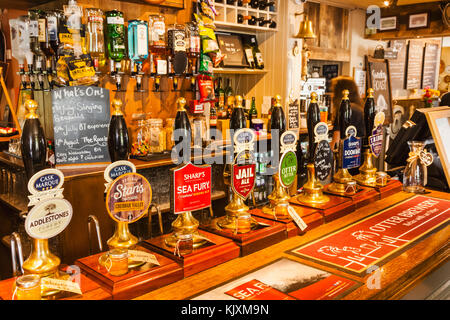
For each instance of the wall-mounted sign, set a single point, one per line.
(191, 188)
(128, 198)
(48, 218)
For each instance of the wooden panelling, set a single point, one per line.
(435, 29)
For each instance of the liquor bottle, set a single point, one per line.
(242, 2)
(95, 37)
(253, 113)
(115, 42)
(312, 119)
(230, 107)
(254, 4)
(277, 117)
(17, 37)
(137, 48)
(53, 23)
(231, 2)
(194, 47)
(182, 130)
(44, 43)
(238, 119)
(263, 4)
(73, 13)
(248, 50)
(369, 116)
(118, 140)
(33, 143)
(157, 35)
(39, 56)
(212, 116)
(177, 56)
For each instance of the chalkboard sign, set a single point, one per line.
(414, 64)
(397, 65)
(80, 123)
(293, 116)
(323, 160)
(430, 62)
(378, 79)
(231, 46)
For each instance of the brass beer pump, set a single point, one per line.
(367, 172)
(342, 179)
(41, 260)
(185, 223)
(312, 189)
(279, 198)
(237, 207)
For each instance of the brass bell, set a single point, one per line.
(306, 30)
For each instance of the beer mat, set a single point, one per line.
(376, 239)
(282, 279)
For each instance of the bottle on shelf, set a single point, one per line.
(137, 49)
(257, 55)
(182, 131)
(194, 48)
(158, 61)
(248, 50)
(264, 4)
(20, 47)
(33, 143)
(242, 18)
(238, 119)
(228, 89)
(95, 37)
(254, 4)
(35, 46)
(262, 23)
(45, 46)
(115, 43)
(231, 2)
(118, 140)
(253, 112)
(242, 2)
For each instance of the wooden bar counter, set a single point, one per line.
(398, 275)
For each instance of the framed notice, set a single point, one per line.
(388, 23)
(439, 123)
(378, 78)
(419, 20)
(414, 64)
(430, 64)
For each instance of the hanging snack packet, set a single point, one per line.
(206, 88)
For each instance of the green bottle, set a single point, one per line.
(115, 35)
(253, 113)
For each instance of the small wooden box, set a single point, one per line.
(363, 196)
(137, 281)
(212, 254)
(312, 217)
(255, 240)
(392, 187)
(90, 289)
(335, 208)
